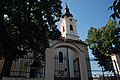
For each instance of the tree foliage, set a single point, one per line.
(26, 26)
(116, 9)
(103, 42)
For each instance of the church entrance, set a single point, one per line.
(37, 70)
(66, 65)
(76, 68)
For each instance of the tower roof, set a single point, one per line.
(67, 12)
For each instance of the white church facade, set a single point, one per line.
(69, 55)
(66, 59)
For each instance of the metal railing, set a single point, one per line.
(97, 72)
(26, 67)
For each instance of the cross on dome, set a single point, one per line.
(67, 12)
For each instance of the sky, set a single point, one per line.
(89, 13)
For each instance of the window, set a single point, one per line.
(63, 29)
(71, 27)
(60, 57)
(70, 19)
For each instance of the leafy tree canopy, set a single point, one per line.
(116, 9)
(103, 42)
(26, 26)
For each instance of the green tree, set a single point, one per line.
(103, 42)
(26, 26)
(116, 9)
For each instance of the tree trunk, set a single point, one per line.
(6, 67)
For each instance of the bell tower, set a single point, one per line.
(68, 25)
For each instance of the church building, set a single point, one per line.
(66, 59)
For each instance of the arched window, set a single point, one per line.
(63, 28)
(71, 27)
(60, 57)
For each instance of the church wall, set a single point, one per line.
(71, 63)
(62, 66)
(116, 63)
(81, 54)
